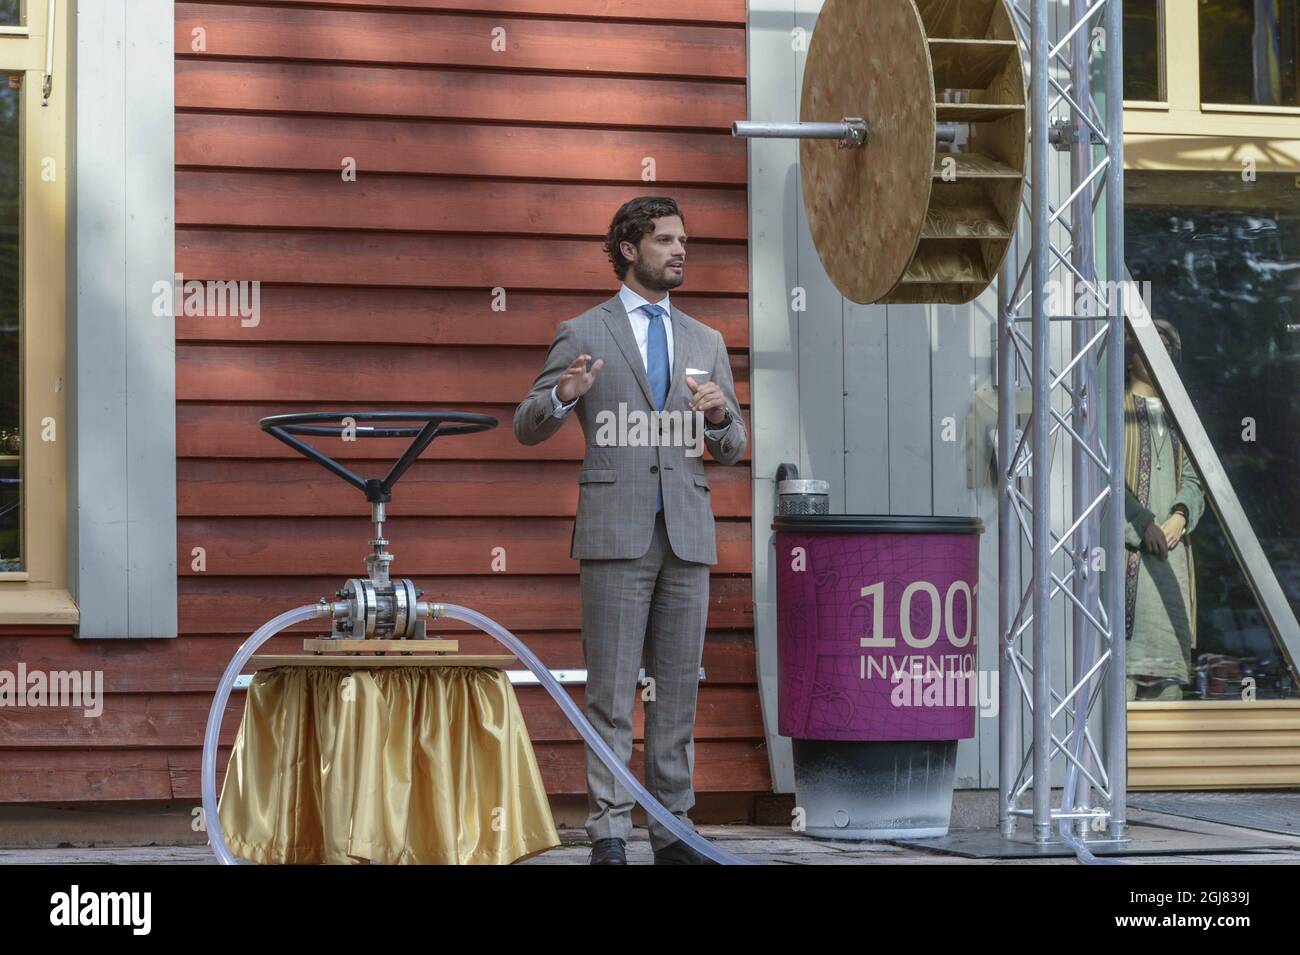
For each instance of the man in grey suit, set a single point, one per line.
(658, 388)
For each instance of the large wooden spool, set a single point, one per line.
(901, 218)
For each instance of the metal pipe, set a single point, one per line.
(755, 130)
(1040, 581)
(1116, 696)
(1083, 395)
(1009, 705)
(851, 132)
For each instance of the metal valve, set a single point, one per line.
(376, 607)
(369, 609)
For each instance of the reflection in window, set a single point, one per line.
(1164, 503)
(12, 13)
(1223, 260)
(11, 544)
(1249, 52)
(1144, 72)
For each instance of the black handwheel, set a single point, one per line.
(432, 424)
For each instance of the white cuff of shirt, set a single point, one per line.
(715, 429)
(560, 410)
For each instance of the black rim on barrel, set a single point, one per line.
(876, 524)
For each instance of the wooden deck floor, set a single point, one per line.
(762, 844)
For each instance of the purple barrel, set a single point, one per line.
(876, 655)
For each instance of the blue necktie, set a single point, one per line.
(657, 371)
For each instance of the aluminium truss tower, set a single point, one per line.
(1063, 587)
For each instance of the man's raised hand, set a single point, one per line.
(577, 379)
(708, 398)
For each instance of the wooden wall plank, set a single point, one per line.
(866, 409)
(215, 429)
(378, 201)
(278, 87)
(448, 39)
(434, 488)
(178, 720)
(371, 373)
(463, 261)
(195, 662)
(820, 334)
(910, 487)
(775, 203)
(696, 11)
(417, 316)
(253, 141)
(121, 521)
(106, 775)
(714, 11)
(517, 602)
(53, 776)
(256, 546)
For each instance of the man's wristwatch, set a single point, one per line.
(722, 425)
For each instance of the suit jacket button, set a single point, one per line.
(654, 469)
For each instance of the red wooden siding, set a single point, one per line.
(475, 170)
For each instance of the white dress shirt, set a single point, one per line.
(632, 303)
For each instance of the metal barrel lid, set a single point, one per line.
(876, 524)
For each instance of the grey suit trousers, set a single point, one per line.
(657, 604)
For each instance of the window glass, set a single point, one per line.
(1144, 72)
(12, 13)
(1223, 260)
(11, 436)
(1248, 52)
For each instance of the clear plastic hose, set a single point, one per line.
(208, 771)
(588, 733)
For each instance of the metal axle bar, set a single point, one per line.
(851, 132)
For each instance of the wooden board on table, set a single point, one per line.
(331, 645)
(365, 661)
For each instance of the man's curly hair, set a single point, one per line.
(635, 219)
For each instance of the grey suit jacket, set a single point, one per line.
(623, 466)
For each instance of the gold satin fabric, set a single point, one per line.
(429, 765)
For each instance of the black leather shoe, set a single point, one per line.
(607, 852)
(679, 853)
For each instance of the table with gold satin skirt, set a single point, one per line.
(426, 765)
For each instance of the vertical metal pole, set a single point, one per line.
(1008, 689)
(1083, 396)
(1041, 422)
(1116, 702)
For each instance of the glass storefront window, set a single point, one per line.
(11, 405)
(1249, 52)
(1144, 66)
(1223, 260)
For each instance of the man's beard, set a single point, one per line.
(662, 282)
